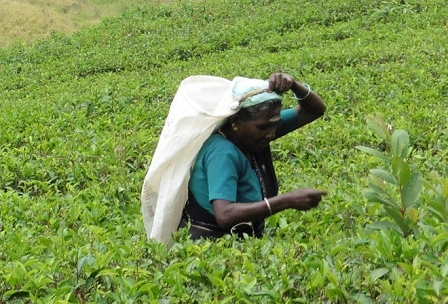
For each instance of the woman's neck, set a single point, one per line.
(228, 134)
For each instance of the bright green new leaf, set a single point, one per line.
(440, 241)
(361, 298)
(445, 189)
(444, 270)
(248, 283)
(175, 267)
(378, 273)
(108, 272)
(437, 286)
(413, 214)
(317, 280)
(335, 250)
(216, 281)
(400, 143)
(334, 293)
(411, 190)
(385, 176)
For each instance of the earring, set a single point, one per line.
(234, 128)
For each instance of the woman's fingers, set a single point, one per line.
(280, 82)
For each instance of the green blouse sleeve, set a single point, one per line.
(288, 122)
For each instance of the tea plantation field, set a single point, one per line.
(81, 114)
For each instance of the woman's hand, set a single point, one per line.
(311, 105)
(279, 82)
(304, 198)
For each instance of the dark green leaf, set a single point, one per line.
(385, 225)
(374, 197)
(85, 260)
(410, 192)
(400, 143)
(401, 170)
(374, 152)
(384, 175)
(15, 294)
(398, 217)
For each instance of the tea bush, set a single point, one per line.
(81, 115)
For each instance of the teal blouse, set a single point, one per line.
(222, 171)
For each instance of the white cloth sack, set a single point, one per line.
(200, 105)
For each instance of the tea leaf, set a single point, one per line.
(398, 216)
(374, 197)
(401, 170)
(444, 270)
(81, 116)
(217, 281)
(378, 273)
(85, 260)
(385, 176)
(378, 126)
(374, 152)
(385, 225)
(11, 295)
(411, 190)
(400, 143)
(412, 213)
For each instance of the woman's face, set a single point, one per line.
(255, 134)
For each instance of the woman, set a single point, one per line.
(233, 186)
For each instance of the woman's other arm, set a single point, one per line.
(229, 214)
(311, 106)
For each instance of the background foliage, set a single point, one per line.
(80, 117)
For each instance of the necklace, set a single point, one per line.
(220, 132)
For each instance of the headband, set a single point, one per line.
(251, 92)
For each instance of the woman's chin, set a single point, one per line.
(262, 146)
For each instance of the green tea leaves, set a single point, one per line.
(400, 143)
(399, 187)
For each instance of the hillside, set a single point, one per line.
(30, 20)
(81, 115)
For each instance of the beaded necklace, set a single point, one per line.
(260, 176)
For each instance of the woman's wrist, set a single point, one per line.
(301, 91)
(279, 203)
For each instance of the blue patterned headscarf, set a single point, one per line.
(251, 92)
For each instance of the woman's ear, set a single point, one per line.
(233, 123)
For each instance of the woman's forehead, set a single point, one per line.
(272, 116)
(275, 119)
